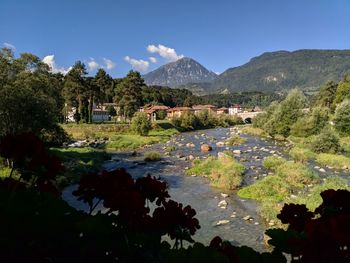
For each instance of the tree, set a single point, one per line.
(140, 123)
(343, 90)
(326, 142)
(75, 86)
(342, 117)
(326, 95)
(30, 95)
(128, 94)
(105, 84)
(312, 123)
(282, 116)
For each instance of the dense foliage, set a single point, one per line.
(140, 123)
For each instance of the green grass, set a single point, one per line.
(120, 138)
(78, 161)
(334, 160)
(170, 148)
(272, 188)
(236, 140)
(302, 155)
(253, 131)
(152, 156)
(273, 162)
(225, 173)
(345, 143)
(313, 199)
(296, 174)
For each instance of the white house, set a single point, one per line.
(235, 109)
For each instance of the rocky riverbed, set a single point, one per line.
(220, 213)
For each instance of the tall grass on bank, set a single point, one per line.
(333, 160)
(78, 161)
(225, 173)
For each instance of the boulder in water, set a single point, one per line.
(206, 148)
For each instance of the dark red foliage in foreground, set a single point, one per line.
(28, 155)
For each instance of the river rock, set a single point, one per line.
(222, 204)
(222, 155)
(190, 157)
(236, 152)
(222, 222)
(224, 195)
(206, 148)
(190, 145)
(220, 144)
(248, 217)
(322, 170)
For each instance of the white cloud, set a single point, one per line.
(165, 52)
(109, 63)
(50, 60)
(93, 65)
(153, 59)
(139, 65)
(8, 45)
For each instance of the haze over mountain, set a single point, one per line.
(271, 71)
(183, 71)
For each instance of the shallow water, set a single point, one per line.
(196, 191)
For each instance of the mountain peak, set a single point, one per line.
(181, 72)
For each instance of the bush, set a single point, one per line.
(273, 162)
(152, 157)
(301, 155)
(271, 188)
(224, 173)
(326, 142)
(236, 140)
(296, 174)
(141, 124)
(342, 117)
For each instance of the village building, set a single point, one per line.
(178, 112)
(153, 110)
(100, 115)
(235, 109)
(199, 108)
(222, 110)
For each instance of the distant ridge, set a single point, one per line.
(271, 71)
(181, 72)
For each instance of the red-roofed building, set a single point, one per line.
(177, 112)
(222, 110)
(235, 109)
(199, 108)
(152, 111)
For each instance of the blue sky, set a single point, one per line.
(124, 34)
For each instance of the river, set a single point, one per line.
(196, 191)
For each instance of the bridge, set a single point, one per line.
(247, 116)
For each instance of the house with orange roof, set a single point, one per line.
(178, 112)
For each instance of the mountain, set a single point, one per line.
(180, 72)
(306, 69)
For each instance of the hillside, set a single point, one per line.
(306, 69)
(180, 72)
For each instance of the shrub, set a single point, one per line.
(301, 155)
(271, 188)
(342, 117)
(170, 148)
(224, 173)
(236, 140)
(253, 131)
(152, 157)
(333, 160)
(273, 162)
(296, 174)
(326, 142)
(140, 123)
